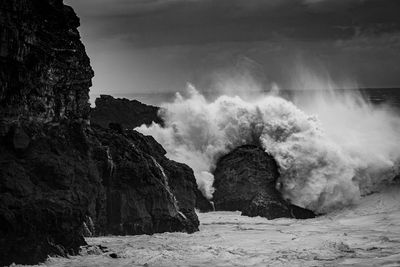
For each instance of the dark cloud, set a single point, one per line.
(174, 22)
(159, 45)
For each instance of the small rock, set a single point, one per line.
(113, 255)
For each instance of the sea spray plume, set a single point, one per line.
(317, 171)
(369, 134)
(198, 133)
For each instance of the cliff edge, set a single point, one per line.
(61, 179)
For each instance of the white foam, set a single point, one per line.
(330, 147)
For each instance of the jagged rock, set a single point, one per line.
(45, 73)
(44, 194)
(245, 180)
(56, 173)
(72, 176)
(46, 182)
(144, 192)
(184, 187)
(128, 113)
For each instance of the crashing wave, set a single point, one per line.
(331, 148)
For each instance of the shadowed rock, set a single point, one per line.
(144, 192)
(202, 203)
(128, 113)
(59, 178)
(245, 180)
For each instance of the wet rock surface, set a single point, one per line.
(245, 181)
(73, 181)
(127, 113)
(143, 192)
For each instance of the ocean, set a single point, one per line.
(337, 156)
(390, 96)
(366, 234)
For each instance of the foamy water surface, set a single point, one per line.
(366, 234)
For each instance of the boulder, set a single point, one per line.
(245, 180)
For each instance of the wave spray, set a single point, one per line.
(331, 147)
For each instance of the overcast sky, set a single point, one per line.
(160, 45)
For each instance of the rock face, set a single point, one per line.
(128, 113)
(45, 191)
(245, 180)
(120, 114)
(45, 72)
(143, 192)
(59, 177)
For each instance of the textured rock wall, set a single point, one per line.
(144, 192)
(45, 73)
(123, 114)
(46, 188)
(46, 177)
(60, 178)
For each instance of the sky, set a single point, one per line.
(152, 46)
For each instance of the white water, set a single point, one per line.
(367, 234)
(331, 148)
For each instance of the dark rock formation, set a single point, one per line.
(245, 180)
(59, 178)
(128, 113)
(45, 192)
(144, 192)
(45, 72)
(46, 182)
(120, 114)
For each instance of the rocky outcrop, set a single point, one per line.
(127, 113)
(45, 190)
(46, 182)
(71, 176)
(120, 114)
(45, 72)
(143, 192)
(245, 180)
(61, 179)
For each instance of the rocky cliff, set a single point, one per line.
(121, 114)
(128, 113)
(59, 177)
(245, 180)
(142, 191)
(45, 72)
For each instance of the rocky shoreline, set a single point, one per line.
(64, 175)
(61, 178)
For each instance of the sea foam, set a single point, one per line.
(331, 147)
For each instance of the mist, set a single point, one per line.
(331, 146)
